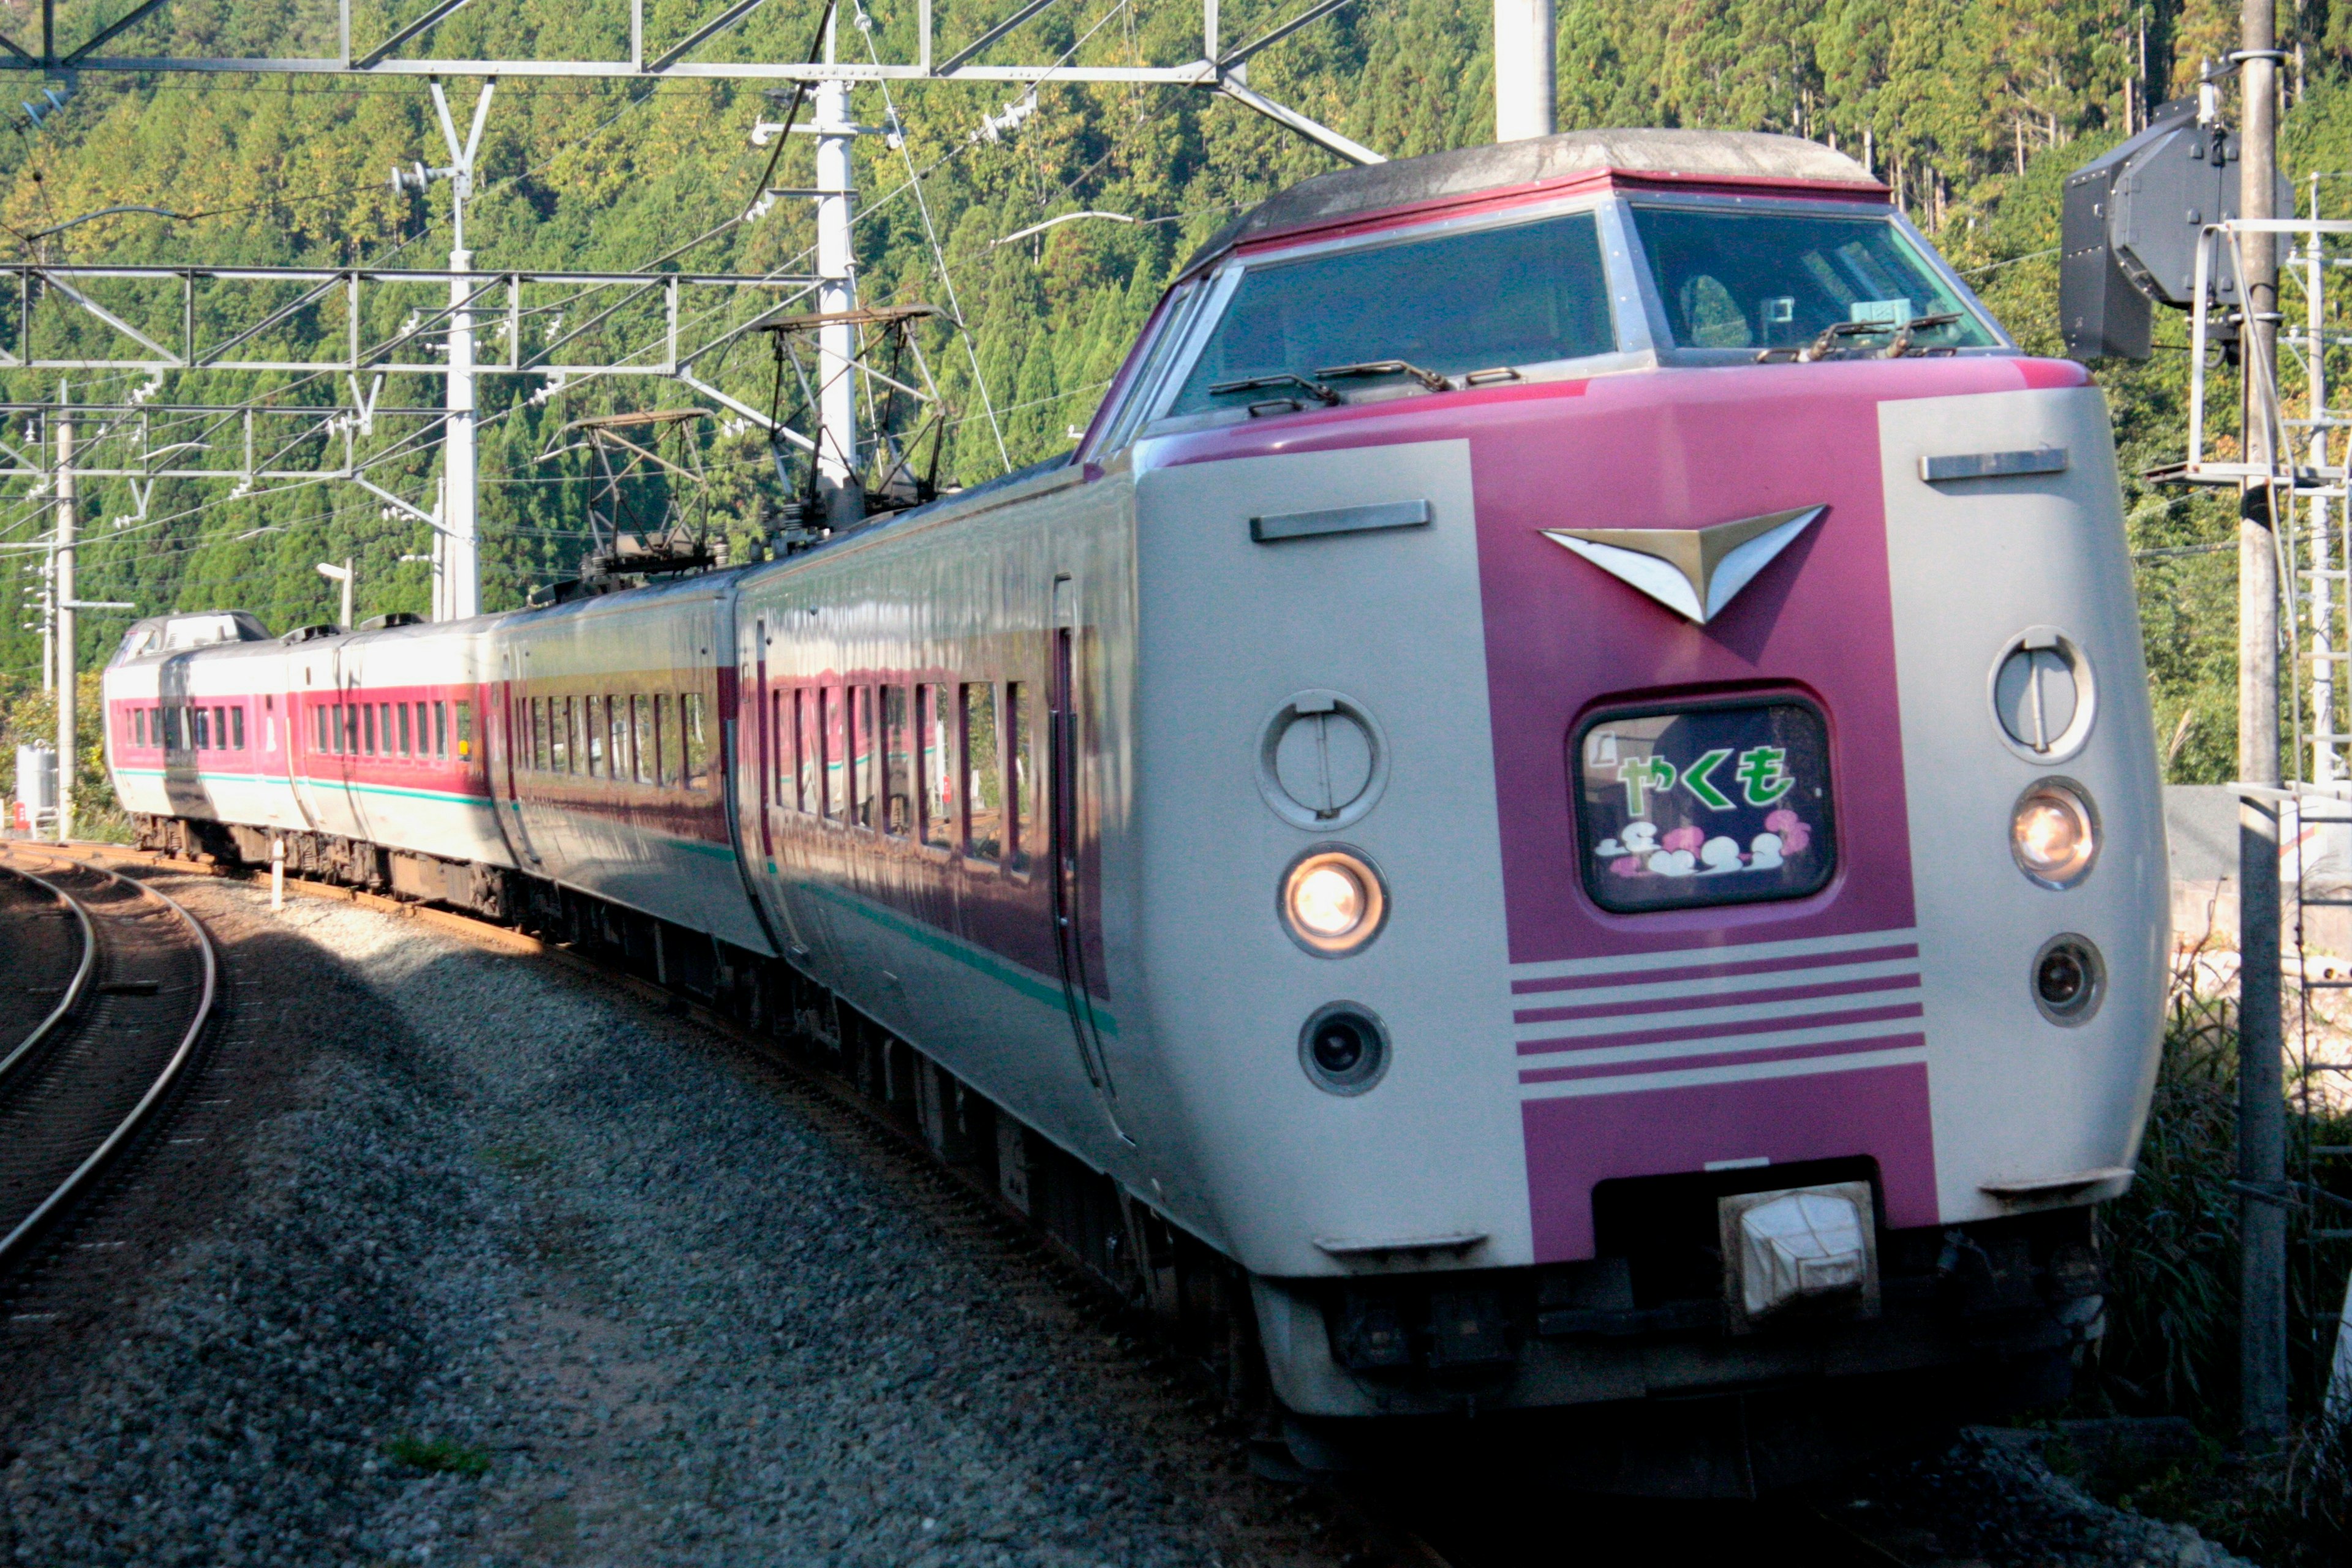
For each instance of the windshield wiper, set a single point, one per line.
(1428, 378)
(1314, 389)
(1831, 344)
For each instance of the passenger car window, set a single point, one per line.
(236, 727)
(1450, 303)
(828, 730)
(407, 741)
(861, 759)
(897, 775)
(1023, 780)
(934, 728)
(464, 729)
(641, 715)
(983, 779)
(1750, 280)
(806, 746)
(440, 729)
(697, 743)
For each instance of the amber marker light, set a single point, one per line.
(1333, 902)
(2055, 834)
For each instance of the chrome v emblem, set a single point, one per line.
(1695, 572)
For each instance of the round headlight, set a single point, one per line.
(2055, 834)
(1344, 1048)
(1332, 902)
(2069, 979)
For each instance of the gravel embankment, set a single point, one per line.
(604, 1272)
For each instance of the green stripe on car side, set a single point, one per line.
(1000, 970)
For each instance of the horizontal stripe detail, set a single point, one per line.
(1002, 971)
(279, 781)
(1722, 971)
(1907, 981)
(1724, 1059)
(444, 797)
(1629, 965)
(1753, 1026)
(1803, 1067)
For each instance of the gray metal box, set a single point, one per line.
(2130, 229)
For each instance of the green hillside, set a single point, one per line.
(1976, 108)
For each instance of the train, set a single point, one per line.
(1545, 841)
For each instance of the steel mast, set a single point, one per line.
(839, 483)
(1525, 91)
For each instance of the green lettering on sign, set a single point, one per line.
(1695, 780)
(1642, 777)
(1762, 778)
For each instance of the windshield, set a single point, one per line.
(1448, 305)
(1759, 280)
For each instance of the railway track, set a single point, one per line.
(130, 995)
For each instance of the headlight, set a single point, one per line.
(2069, 979)
(1344, 1048)
(1333, 902)
(2055, 834)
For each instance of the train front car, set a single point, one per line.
(1649, 873)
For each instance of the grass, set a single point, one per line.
(2171, 1348)
(440, 1455)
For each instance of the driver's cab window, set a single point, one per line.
(1432, 312)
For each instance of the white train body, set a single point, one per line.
(1726, 790)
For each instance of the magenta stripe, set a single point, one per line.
(1728, 1059)
(1720, 1031)
(1727, 999)
(1708, 970)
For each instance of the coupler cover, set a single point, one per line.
(1799, 1252)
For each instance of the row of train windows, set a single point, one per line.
(418, 728)
(178, 727)
(648, 738)
(898, 759)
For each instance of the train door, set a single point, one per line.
(302, 729)
(511, 733)
(1075, 870)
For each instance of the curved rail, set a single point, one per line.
(82, 972)
(17, 1241)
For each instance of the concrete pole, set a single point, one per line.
(2324, 592)
(347, 592)
(64, 589)
(2262, 1098)
(461, 562)
(838, 464)
(1526, 92)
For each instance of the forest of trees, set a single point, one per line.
(1973, 109)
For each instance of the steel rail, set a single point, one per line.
(82, 972)
(17, 1241)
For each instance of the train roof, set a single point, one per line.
(1696, 157)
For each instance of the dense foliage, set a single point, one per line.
(1973, 109)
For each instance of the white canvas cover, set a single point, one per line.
(1800, 1245)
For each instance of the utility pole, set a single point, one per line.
(460, 557)
(342, 574)
(1525, 91)
(2262, 1101)
(838, 464)
(63, 589)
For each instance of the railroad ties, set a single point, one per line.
(110, 989)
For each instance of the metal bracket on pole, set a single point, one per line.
(1320, 134)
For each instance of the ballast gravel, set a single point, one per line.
(513, 1269)
(535, 1275)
